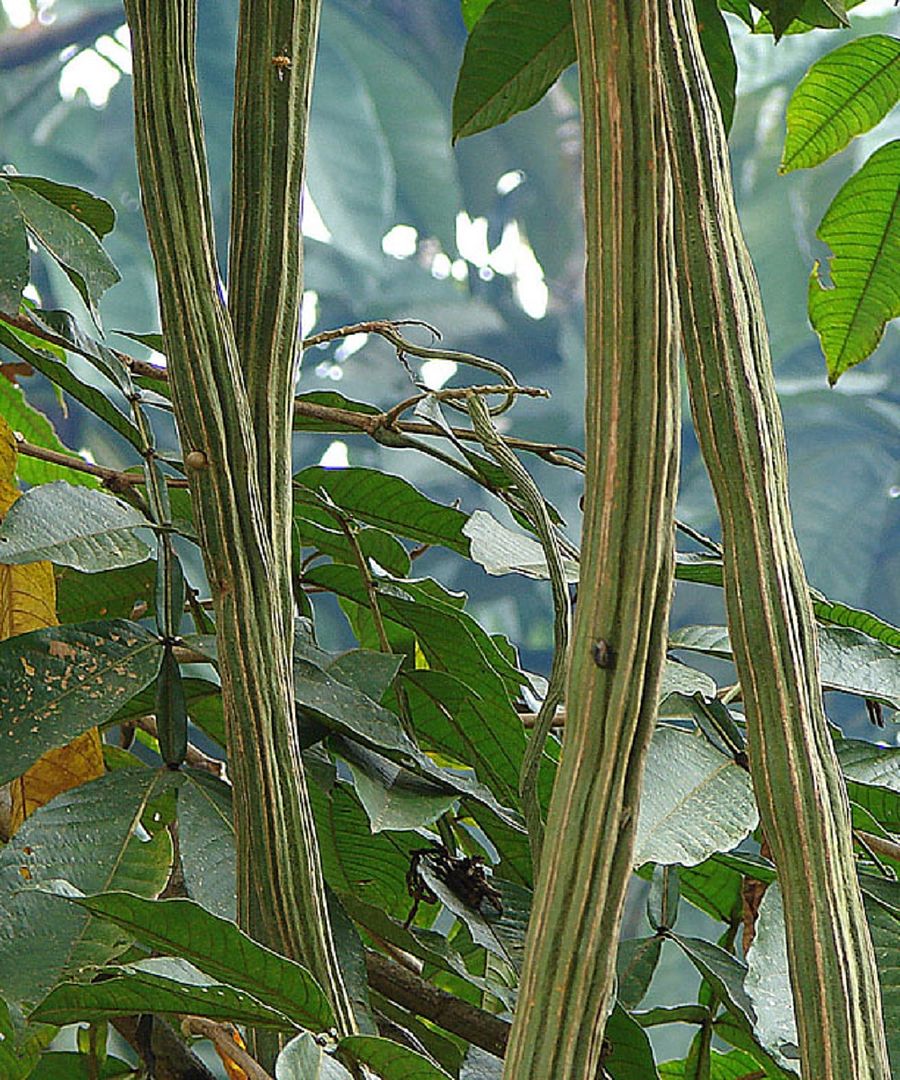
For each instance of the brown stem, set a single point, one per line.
(479, 1027)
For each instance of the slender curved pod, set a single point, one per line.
(276, 50)
(627, 561)
(801, 796)
(280, 891)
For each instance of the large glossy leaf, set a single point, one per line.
(58, 682)
(85, 838)
(347, 711)
(515, 52)
(393, 797)
(695, 801)
(390, 1060)
(74, 246)
(848, 91)
(159, 986)
(72, 526)
(14, 259)
(870, 763)
(182, 928)
(304, 1059)
(388, 502)
(369, 867)
(862, 228)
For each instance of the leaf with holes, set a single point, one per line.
(57, 682)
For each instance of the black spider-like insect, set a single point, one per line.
(465, 877)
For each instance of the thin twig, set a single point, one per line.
(221, 1037)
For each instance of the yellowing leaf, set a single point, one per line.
(28, 602)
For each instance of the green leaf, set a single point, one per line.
(69, 1065)
(870, 763)
(724, 971)
(738, 1034)
(22, 344)
(393, 797)
(21, 1045)
(206, 841)
(81, 597)
(15, 264)
(635, 966)
(85, 207)
(35, 428)
(356, 863)
(848, 91)
(390, 1060)
(65, 326)
(850, 661)
(695, 801)
(472, 10)
(716, 44)
(183, 929)
(504, 551)
(330, 399)
(73, 246)
(884, 927)
(631, 1057)
(388, 502)
(142, 989)
(84, 838)
(57, 682)
(304, 1059)
(348, 712)
(515, 53)
(452, 721)
(369, 672)
(72, 526)
(862, 228)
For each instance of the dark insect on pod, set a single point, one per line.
(603, 654)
